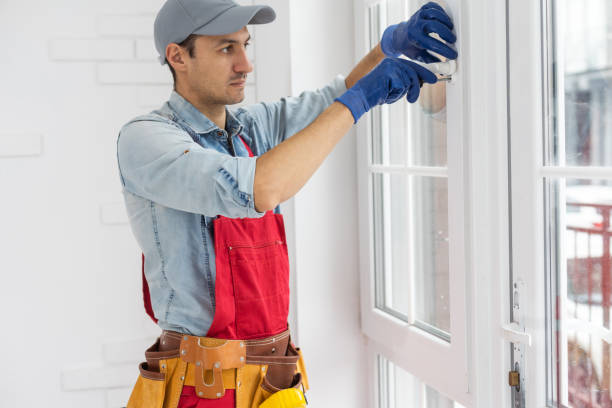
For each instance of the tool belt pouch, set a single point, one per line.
(282, 372)
(153, 383)
(149, 390)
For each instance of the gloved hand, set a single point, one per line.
(412, 39)
(386, 83)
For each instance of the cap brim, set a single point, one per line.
(237, 17)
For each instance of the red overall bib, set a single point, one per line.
(251, 288)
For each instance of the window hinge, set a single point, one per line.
(514, 379)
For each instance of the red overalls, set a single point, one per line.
(251, 289)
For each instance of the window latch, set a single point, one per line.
(513, 333)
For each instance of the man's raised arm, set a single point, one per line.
(282, 171)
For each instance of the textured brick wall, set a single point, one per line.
(75, 72)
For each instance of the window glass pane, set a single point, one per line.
(428, 124)
(578, 211)
(582, 72)
(427, 117)
(404, 133)
(579, 219)
(431, 269)
(399, 389)
(411, 248)
(388, 121)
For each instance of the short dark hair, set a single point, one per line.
(189, 44)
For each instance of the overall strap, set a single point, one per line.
(247, 146)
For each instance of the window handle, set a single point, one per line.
(514, 334)
(446, 68)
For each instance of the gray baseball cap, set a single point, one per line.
(177, 19)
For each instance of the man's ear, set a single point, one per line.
(175, 55)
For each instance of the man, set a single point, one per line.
(202, 185)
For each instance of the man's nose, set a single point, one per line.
(242, 63)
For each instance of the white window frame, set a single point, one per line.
(529, 105)
(524, 27)
(473, 368)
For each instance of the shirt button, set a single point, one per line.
(220, 133)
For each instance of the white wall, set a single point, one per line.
(73, 72)
(322, 45)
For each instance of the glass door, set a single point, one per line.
(561, 144)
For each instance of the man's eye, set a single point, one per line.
(246, 44)
(226, 49)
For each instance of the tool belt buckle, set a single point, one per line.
(231, 354)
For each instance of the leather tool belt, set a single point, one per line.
(211, 362)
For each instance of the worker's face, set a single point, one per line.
(218, 70)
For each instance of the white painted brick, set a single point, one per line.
(99, 377)
(150, 73)
(113, 214)
(118, 397)
(145, 50)
(90, 49)
(131, 7)
(126, 25)
(17, 145)
(153, 96)
(126, 351)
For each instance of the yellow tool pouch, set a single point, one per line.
(255, 369)
(161, 379)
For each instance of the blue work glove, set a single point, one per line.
(386, 83)
(412, 39)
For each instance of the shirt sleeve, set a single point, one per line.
(282, 119)
(160, 162)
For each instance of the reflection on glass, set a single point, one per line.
(428, 127)
(584, 329)
(431, 270)
(375, 14)
(580, 67)
(388, 121)
(400, 389)
(404, 133)
(411, 242)
(583, 44)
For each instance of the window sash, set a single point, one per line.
(428, 353)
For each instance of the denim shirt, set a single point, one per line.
(179, 171)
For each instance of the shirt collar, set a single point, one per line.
(198, 121)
